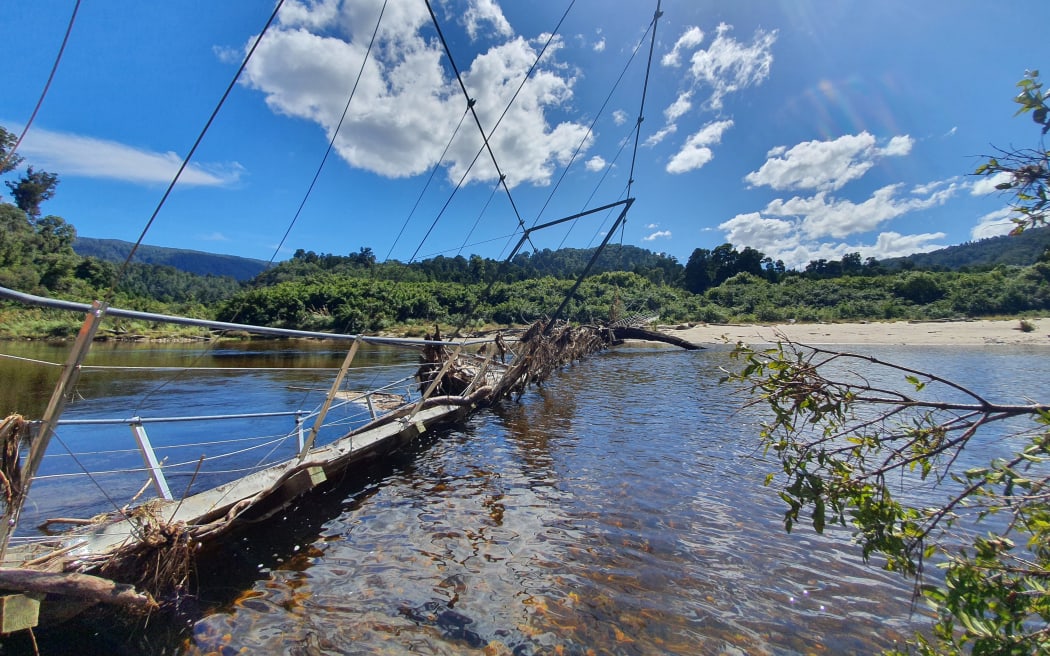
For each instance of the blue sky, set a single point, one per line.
(805, 129)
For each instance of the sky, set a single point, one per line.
(806, 129)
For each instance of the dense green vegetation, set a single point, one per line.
(354, 293)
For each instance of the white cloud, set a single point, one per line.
(727, 65)
(898, 146)
(825, 165)
(994, 224)
(795, 230)
(77, 155)
(690, 39)
(680, 106)
(931, 187)
(596, 163)
(652, 226)
(619, 117)
(480, 12)
(659, 135)
(659, 234)
(822, 216)
(406, 104)
(599, 45)
(894, 244)
(986, 184)
(214, 236)
(761, 233)
(696, 152)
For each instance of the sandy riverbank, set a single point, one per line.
(925, 333)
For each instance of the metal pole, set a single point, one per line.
(67, 380)
(336, 384)
(150, 458)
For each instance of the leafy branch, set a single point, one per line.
(1025, 173)
(868, 451)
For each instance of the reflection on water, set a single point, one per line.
(618, 509)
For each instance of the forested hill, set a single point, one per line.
(1020, 250)
(197, 262)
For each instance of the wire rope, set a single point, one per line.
(10, 156)
(590, 128)
(422, 192)
(186, 160)
(486, 138)
(335, 134)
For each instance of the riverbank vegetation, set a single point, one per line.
(354, 293)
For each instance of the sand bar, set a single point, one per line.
(917, 333)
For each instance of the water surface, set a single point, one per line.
(617, 509)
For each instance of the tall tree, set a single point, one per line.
(32, 189)
(698, 271)
(8, 160)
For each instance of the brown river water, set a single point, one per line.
(617, 509)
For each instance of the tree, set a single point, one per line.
(1025, 173)
(32, 189)
(697, 271)
(8, 160)
(848, 446)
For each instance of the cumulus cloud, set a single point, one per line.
(690, 39)
(725, 66)
(599, 45)
(660, 135)
(680, 106)
(986, 184)
(659, 234)
(696, 151)
(825, 165)
(824, 216)
(994, 224)
(482, 13)
(797, 230)
(619, 117)
(407, 104)
(596, 163)
(78, 155)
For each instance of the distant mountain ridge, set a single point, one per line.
(1018, 250)
(198, 262)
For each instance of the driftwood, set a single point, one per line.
(634, 332)
(77, 586)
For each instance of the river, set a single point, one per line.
(617, 509)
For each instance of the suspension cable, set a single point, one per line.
(433, 172)
(335, 133)
(10, 156)
(185, 162)
(477, 120)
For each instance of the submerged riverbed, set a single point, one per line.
(618, 509)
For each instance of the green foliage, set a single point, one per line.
(1016, 250)
(9, 161)
(32, 189)
(851, 450)
(1025, 173)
